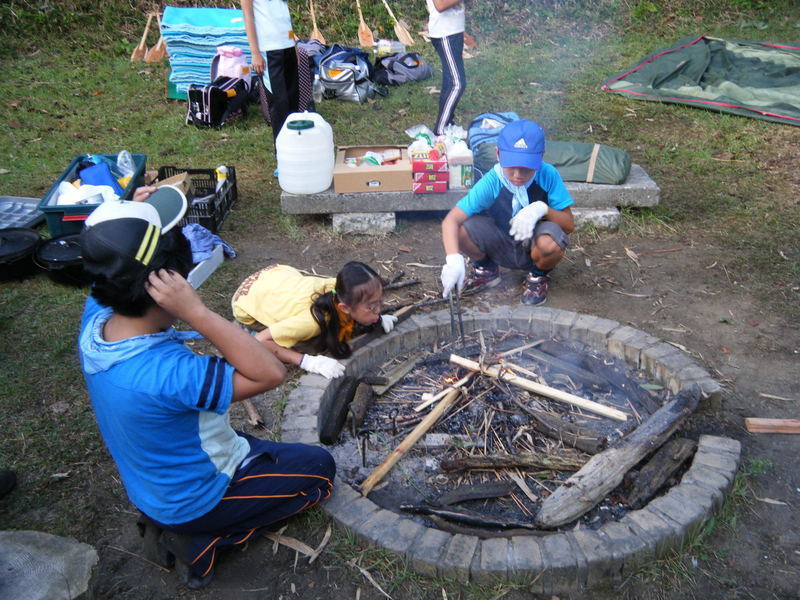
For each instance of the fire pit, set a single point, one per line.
(498, 488)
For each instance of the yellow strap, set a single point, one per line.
(592, 163)
(148, 246)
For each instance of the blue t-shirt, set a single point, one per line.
(163, 413)
(484, 194)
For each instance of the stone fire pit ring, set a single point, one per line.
(557, 563)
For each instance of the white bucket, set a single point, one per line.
(305, 154)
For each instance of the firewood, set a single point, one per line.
(543, 390)
(756, 425)
(465, 516)
(479, 532)
(526, 460)
(563, 431)
(436, 397)
(604, 471)
(659, 469)
(404, 446)
(476, 491)
(586, 377)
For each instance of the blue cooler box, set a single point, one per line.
(62, 220)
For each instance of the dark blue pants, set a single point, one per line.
(284, 80)
(454, 79)
(280, 481)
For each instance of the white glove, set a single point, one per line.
(453, 274)
(322, 365)
(387, 322)
(524, 221)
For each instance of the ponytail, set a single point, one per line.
(323, 309)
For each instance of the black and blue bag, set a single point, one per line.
(345, 74)
(401, 67)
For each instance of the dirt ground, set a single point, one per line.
(680, 291)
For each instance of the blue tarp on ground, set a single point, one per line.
(752, 79)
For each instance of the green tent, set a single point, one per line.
(752, 79)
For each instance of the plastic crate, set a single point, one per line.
(207, 206)
(62, 220)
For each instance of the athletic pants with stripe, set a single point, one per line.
(454, 80)
(276, 482)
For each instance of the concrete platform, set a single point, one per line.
(595, 199)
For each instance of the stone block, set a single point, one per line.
(667, 366)
(721, 445)
(562, 323)
(354, 512)
(370, 530)
(603, 219)
(601, 566)
(685, 513)
(525, 562)
(593, 330)
(562, 569)
(664, 534)
(300, 436)
(651, 356)
(401, 536)
(618, 341)
(427, 552)
(372, 223)
(493, 563)
(457, 558)
(637, 190)
(725, 464)
(308, 422)
(628, 549)
(713, 485)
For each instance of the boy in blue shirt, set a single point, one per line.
(517, 216)
(163, 410)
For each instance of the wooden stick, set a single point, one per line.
(526, 460)
(756, 425)
(436, 397)
(420, 430)
(543, 390)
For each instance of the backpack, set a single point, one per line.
(482, 139)
(215, 104)
(401, 67)
(344, 74)
(229, 61)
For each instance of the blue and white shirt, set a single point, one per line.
(163, 413)
(491, 198)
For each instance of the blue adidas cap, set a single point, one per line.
(521, 144)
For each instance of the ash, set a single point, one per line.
(492, 417)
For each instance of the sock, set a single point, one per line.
(537, 272)
(486, 263)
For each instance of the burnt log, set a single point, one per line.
(659, 469)
(466, 516)
(527, 460)
(485, 534)
(477, 491)
(564, 431)
(604, 471)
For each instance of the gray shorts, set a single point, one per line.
(502, 248)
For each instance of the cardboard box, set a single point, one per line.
(429, 187)
(429, 166)
(431, 176)
(180, 181)
(391, 177)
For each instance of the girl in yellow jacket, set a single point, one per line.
(294, 307)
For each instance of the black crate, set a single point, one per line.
(207, 206)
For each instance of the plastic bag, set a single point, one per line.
(125, 164)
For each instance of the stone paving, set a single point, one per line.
(561, 562)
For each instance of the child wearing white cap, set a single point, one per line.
(517, 216)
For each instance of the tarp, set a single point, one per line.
(752, 79)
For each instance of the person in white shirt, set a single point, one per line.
(268, 24)
(446, 30)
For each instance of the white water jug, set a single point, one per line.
(305, 154)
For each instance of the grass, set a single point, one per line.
(727, 179)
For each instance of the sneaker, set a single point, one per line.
(535, 289)
(481, 279)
